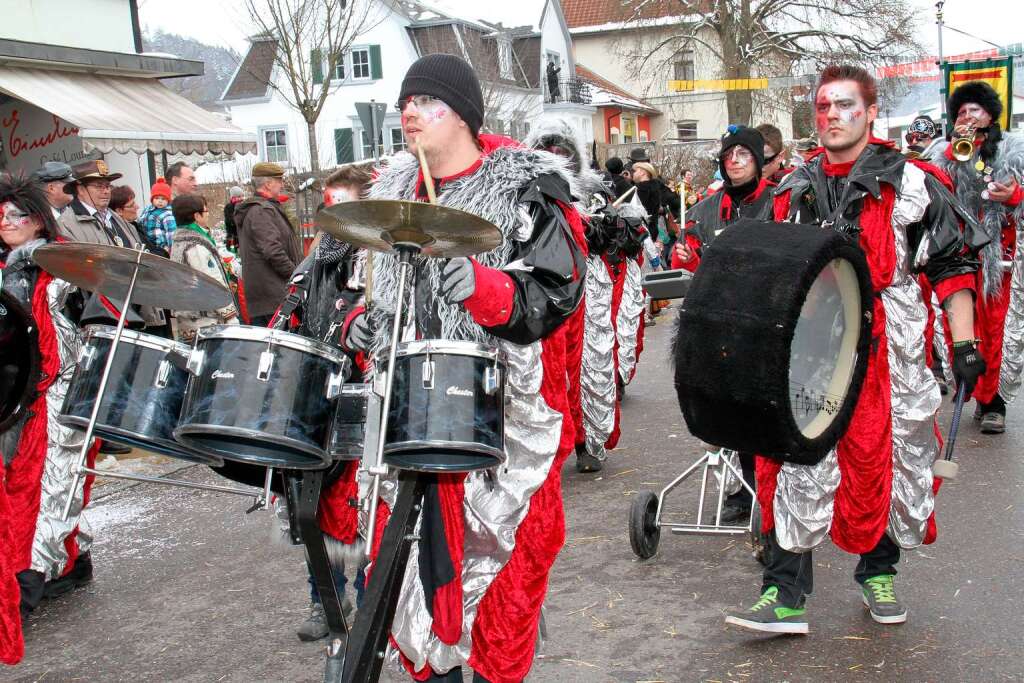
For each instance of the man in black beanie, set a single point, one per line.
(987, 185)
(502, 529)
(620, 183)
(744, 194)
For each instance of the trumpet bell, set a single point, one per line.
(963, 149)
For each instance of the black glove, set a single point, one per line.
(968, 365)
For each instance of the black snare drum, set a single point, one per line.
(142, 401)
(447, 407)
(261, 396)
(348, 432)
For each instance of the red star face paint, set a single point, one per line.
(336, 195)
(423, 114)
(840, 115)
(16, 226)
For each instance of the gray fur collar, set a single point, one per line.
(491, 192)
(1008, 163)
(23, 252)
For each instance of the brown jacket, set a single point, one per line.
(270, 250)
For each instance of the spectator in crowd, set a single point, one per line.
(775, 154)
(639, 154)
(688, 190)
(122, 202)
(195, 247)
(268, 245)
(156, 219)
(661, 203)
(552, 75)
(235, 195)
(51, 178)
(181, 178)
(620, 184)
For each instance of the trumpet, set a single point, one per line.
(963, 143)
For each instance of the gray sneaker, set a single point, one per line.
(768, 615)
(993, 423)
(879, 596)
(315, 626)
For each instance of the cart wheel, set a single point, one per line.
(644, 534)
(758, 540)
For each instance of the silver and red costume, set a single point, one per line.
(500, 534)
(878, 480)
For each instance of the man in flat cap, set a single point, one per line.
(268, 245)
(51, 178)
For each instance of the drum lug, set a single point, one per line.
(491, 380)
(265, 366)
(334, 384)
(86, 356)
(428, 373)
(163, 373)
(196, 360)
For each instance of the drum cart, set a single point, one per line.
(647, 518)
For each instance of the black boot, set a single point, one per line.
(585, 462)
(80, 575)
(31, 584)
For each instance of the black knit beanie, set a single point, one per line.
(747, 137)
(614, 165)
(451, 80)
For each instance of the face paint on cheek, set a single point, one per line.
(14, 217)
(337, 195)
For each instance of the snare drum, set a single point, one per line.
(348, 433)
(261, 396)
(447, 407)
(143, 397)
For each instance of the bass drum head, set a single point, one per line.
(19, 361)
(823, 354)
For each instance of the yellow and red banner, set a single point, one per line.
(996, 72)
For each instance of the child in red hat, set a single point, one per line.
(157, 219)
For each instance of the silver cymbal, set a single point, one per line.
(108, 270)
(378, 224)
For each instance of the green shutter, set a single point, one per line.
(343, 145)
(316, 66)
(376, 70)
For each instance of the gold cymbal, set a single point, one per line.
(107, 270)
(440, 231)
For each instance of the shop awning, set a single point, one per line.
(121, 114)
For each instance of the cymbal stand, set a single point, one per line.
(79, 467)
(406, 251)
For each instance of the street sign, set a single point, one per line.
(371, 114)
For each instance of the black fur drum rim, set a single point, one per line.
(729, 397)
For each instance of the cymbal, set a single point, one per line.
(108, 270)
(441, 231)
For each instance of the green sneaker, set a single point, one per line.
(770, 616)
(880, 597)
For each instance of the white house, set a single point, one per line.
(507, 61)
(78, 88)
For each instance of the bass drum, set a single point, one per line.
(142, 401)
(19, 361)
(772, 340)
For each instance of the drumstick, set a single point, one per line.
(427, 179)
(624, 197)
(368, 279)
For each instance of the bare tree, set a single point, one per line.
(762, 38)
(312, 37)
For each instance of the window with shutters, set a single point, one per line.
(339, 68)
(367, 147)
(361, 64)
(397, 140)
(275, 145)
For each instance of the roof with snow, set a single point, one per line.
(604, 93)
(581, 15)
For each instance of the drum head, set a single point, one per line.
(19, 361)
(823, 353)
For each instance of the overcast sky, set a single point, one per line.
(225, 23)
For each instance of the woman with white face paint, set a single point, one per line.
(988, 184)
(39, 553)
(872, 494)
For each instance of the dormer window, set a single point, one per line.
(505, 58)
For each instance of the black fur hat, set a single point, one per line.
(978, 92)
